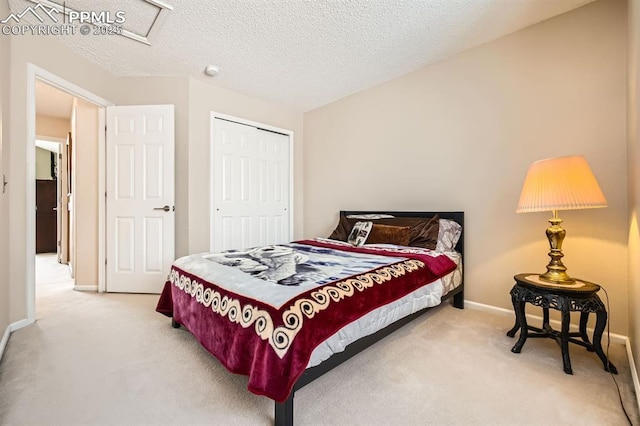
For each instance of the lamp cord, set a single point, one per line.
(624, 410)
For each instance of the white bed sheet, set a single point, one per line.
(425, 297)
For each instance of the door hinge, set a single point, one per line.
(4, 183)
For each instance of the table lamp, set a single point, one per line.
(562, 183)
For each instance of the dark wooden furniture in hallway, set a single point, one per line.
(46, 216)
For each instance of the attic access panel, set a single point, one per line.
(143, 18)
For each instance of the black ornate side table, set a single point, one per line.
(578, 297)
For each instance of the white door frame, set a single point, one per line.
(286, 132)
(36, 73)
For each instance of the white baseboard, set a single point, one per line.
(7, 332)
(634, 372)
(19, 324)
(5, 339)
(85, 287)
(614, 338)
(487, 308)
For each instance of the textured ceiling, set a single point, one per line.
(302, 54)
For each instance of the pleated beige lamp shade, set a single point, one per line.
(562, 183)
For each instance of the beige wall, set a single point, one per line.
(43, 164)
(4, 162)
(52, 126)
(460, 135)
(633, 114)
(85, 194)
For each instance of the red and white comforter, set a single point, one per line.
(262, 312)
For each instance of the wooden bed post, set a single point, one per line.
(284, 412)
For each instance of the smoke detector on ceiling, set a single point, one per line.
(211, 70)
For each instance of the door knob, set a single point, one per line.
(165, 208)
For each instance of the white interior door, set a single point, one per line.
(251, 185)
(140, 214)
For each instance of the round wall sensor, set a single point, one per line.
(211, 70)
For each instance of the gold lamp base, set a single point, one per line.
(556, 271)
(556, 278)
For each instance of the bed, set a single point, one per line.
(317, 302)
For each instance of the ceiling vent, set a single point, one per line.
(138, 20)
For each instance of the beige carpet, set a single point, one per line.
(110, 359)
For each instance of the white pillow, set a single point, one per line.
(448, 235)
(370, 216)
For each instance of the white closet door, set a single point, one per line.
(251, 184)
